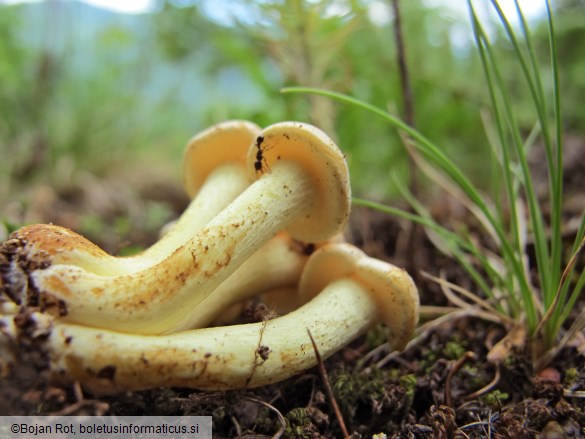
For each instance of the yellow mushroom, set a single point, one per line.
(355, 294)
(303, 186)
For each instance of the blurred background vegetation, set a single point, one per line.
(87, 94)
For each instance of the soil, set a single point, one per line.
(441, 386)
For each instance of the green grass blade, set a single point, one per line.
(460, 244)
(550, 271)
(557, 189)
(570, 303)
(458, 247)
(535, 89)
(506, 161)
(429, 150)
(435, 156)
(563, 312)
(554, 161)
(501, 103)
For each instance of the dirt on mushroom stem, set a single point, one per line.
(266, 207)
(239, 356)
(211, 358)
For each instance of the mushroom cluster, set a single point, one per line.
(268, 206)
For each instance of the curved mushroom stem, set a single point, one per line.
(220, 358)
(153, 300)
(61, 246)
(278, 264)
(221, 187)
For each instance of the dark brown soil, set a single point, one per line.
(441, 387)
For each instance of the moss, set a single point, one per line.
(495, 398)
(264, 422)
(376, 336)
(473, 377)
(299, 424)
(428, 361)
(409, 384)
(454, 350)
(351, 388)
(571, 376)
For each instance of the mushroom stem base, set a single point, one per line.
(221, 358)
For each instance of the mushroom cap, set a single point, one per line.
(47, 244)
(324, 163)
(225, 142)
(391, 288)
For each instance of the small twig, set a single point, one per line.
(328, 388)
(564, 277)
(414, 231)
(99, 408)
(77, 391)
(362, 362)
(450, 288)
(422, 332)
(456, 366)
(486, 388)
(574, 393)
(479, 423)
(236, 425)
(402, 65)
(275, 410)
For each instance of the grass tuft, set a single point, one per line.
(511, 214)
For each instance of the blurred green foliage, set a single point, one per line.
(25, 85)
(338, 46)
(59, 117)
(570, 33)
(143, 85)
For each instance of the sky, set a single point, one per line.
(531, 8)
(127, 6)
(131, 6)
